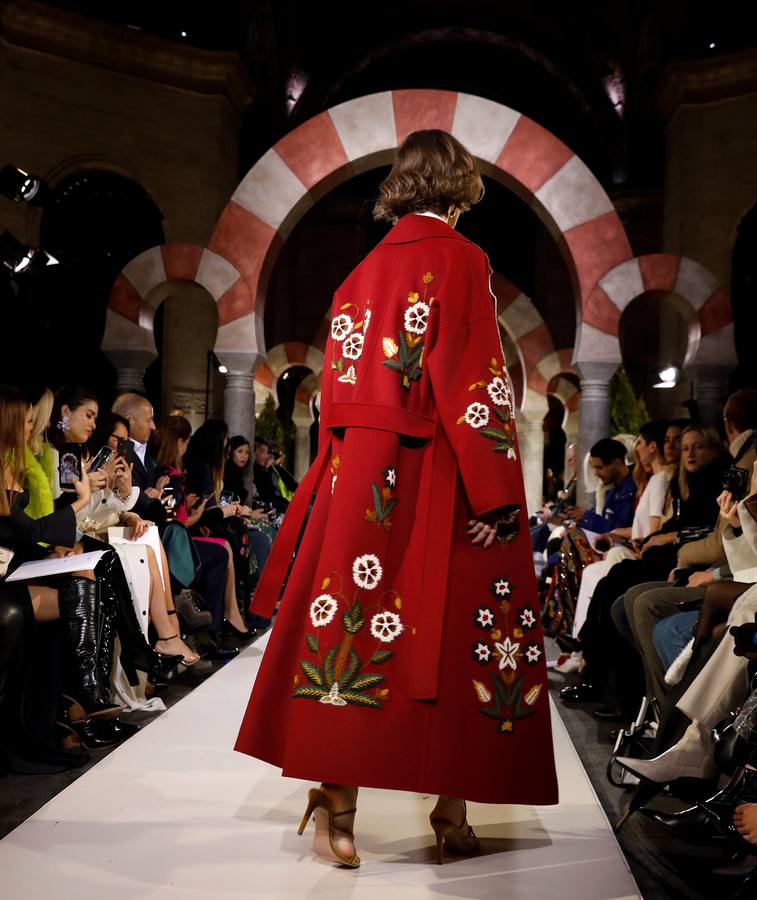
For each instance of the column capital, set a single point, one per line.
(236, 380)
(595, 372)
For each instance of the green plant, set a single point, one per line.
(628, 411)
(270, 427)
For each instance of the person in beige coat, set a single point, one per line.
(721, 686)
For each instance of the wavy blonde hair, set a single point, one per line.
(432, 172)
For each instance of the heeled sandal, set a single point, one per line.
(185, 660)
(460, 839)
(319, 801)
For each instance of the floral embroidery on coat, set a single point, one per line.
(348, 337)
(384, 500)
(493, 418)
(405, 355)
(501, 651)
(338, 678)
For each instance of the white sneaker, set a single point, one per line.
(574, 663)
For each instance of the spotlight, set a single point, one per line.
(19, 258)
(712, 45)
(222, 369)
(668, 377)
(183, 34)
(16, 185)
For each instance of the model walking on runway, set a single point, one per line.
(407, 651)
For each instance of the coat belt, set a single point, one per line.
(383, 418)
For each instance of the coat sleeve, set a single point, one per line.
(23, 533)
(472, 390)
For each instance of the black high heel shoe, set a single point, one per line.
(244, 636)
(721, 818)
(694, 825)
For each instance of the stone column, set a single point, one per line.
(530, 427)
(301, 451)
(239, 410)
(130, 380)
(593, 413)
(302, 416)
(710, 391)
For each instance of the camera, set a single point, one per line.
(745, 637)
(736, 480)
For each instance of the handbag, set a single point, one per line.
(6, 555)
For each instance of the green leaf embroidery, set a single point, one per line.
(370, 679)
(392, 364)
(312, 641)
(494, 434)
(353, 620)
(352, 669)
(378, 503)
(328, 667)
(360, 699)
(312, 673)
(381, 656)
(307, 690)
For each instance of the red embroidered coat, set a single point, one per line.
(402, 656)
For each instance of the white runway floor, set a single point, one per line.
(175, 813)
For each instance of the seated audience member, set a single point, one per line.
(283, 480)
(263, 478)
(695, 491)
(637, 612)
(608, 460)
(261, 528)
(137, 411)
(623, 543)
(170, 442)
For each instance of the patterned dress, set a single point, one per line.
(402, 656)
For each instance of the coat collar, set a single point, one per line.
(418, 228)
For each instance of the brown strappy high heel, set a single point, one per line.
(460, 839)
(319, 802)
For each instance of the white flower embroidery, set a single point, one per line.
(498, 391)
(366, 321)
(485, 617)
(390, 476)
(341, 326)
(477, 415)
(353, 346)
(511, 454)
(322, 610)
(416, 318)
(367, 571)
(527, 618)
(349, 376)
(532, 654)
(483, 652)
(333, 697)
(333, 482)
(501, 588)
(386, 626)
(507, 650)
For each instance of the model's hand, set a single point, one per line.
(481, 533)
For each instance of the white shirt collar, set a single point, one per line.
(432, 215)
(140, 449)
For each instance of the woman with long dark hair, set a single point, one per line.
(407, 651)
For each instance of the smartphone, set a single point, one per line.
(228, 497)
(126, 450)
(745, 637)
(103, 456)
(69, 466)
(169, 501)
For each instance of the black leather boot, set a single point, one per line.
(136, 653)
(79, 607)
(694, 825)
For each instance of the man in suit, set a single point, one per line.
(138, 412)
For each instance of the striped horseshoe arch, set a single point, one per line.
(706, 306)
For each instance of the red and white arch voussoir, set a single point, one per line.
(133, 300)
(708, 308)
(363, 133)
(283, 357)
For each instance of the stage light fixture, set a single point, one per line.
(222, 369)
(19, 258)
(668, 377)
(17, 185)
